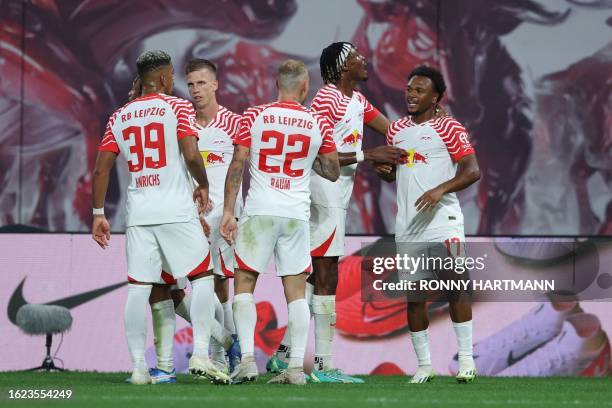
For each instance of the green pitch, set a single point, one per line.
(108, 391)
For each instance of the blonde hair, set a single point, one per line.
(291, 73)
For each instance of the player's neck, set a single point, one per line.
(151, 87)
(289, 97)
(423, 117)
(346, 85)
(206, 114)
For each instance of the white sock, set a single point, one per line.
(218, 351)
(420, 342)
(202, 313)
(228, 318)
(309, 294)
(284, 348)
(183, 308)
(245, 319)
(324, 310)
(164, 326)
(136, 323)
(463, 331)
(299, 322)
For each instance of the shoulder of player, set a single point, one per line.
(226, 120)
(398, 125)
(251, 114)
(447, 126)
(361, 97)
(178, 105)
(328, 93)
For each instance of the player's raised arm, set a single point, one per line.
(388, 155)
(379, 123)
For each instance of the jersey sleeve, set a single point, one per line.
(394, 127)
(108, 142)
(455, 137)
(243, 136)
(326, 104)
(369, 111)
(186, 126)
(327, 134)
(234, 127)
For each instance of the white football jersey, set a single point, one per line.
(146, 131)
(216, 144)
(285, 139)
(347, 116)
(433, 149)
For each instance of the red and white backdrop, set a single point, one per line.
(530, 79)
(371, 336)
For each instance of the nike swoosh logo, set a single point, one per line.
(512, 359)
(17, 300)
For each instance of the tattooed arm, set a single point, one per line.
(233, 180)
(327, 166)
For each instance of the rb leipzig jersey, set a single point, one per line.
(433, 149)
(146, 131)
(285, 139)
(216, 144)
(347, 116)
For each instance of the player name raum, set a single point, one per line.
(475, 285)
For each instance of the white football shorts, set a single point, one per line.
(260, 236)
(179, 248)
(430, 245)
(327, 229)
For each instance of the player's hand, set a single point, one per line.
(382, 168)
(200, 197)
(229, 228)
(428, 201)
(205, 226)
(100, 231)
(209, 207)
(386, 155)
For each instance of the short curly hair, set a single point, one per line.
(150, 61)
(434, 75)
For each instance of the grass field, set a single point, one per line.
(107, 390)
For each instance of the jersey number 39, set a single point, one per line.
(138, 160)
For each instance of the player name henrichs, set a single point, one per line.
(143, 113)
(288, 121)
(152, 180)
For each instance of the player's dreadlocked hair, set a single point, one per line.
(434, 75)
(149, 61)
(332, 59)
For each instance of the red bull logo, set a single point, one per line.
(352, 138)
(414, 157)
(212, 159)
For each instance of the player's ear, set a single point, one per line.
(276, 83)
(215, 85)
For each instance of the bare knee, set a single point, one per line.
(159, 293)
(325, 275)
(244, 281)
(222, 288)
